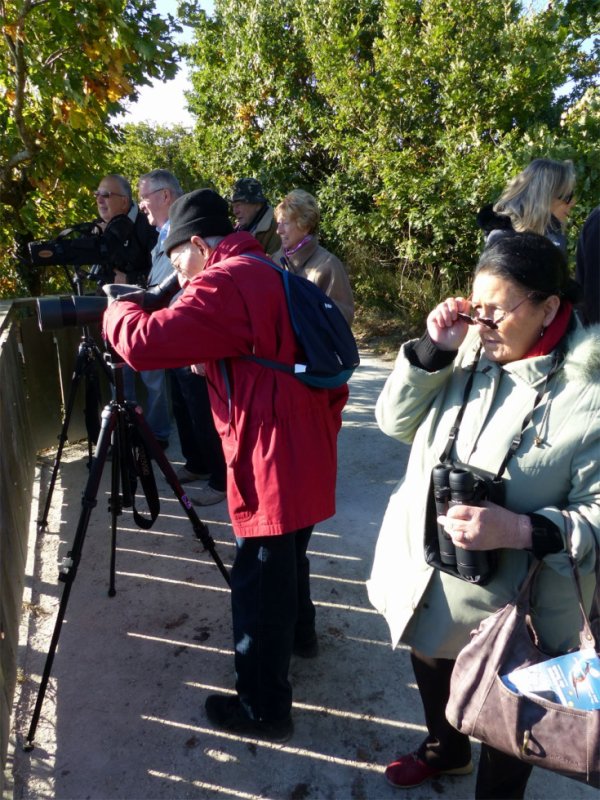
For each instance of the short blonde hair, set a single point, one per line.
(528, 197)
(302, 208)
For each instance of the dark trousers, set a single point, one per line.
(499, 777)
(200, 443)
(271, 608)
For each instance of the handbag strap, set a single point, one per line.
(523, 598)
(586, 636)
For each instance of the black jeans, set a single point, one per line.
(499, 777)
(271, 608)
(200, 443)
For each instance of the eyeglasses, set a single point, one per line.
(568, 198)
(492, 324)
(175, 258)
(146, 196)
(103, 193)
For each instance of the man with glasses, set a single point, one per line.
(279, 437)
(157, 190)
(113, 199)
(200, 443)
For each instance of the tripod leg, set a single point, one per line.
(115, 503)
(63, 435)
(68, 569)
(157, 453)
(87, 356)
(120, 478)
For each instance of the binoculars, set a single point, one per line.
(454, 486)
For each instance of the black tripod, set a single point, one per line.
(124, 426)
(88, 355)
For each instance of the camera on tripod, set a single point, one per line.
(452, 485)
(115, 248)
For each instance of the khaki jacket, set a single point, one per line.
(266, 232)
(557, 466)
(326, 270)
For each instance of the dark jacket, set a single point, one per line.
(588, 266)
(129, 249)
(493, 224)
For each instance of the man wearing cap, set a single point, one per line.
(200, 442)
(253, 213)
(279, 438)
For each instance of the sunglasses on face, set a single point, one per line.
(103, 193)
(488, 322)
(567, 198)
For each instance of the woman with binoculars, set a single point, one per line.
(506, 382)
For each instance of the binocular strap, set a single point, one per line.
(514, 445)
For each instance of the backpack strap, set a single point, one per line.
(285, 275)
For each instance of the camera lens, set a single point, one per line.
(64, 312)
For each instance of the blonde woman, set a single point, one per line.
(298, 219)
(538, 200)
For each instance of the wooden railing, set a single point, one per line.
(36, 370)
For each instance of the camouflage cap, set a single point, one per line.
(248, 190)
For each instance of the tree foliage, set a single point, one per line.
(402, 116)
(255, 96)
(66, 68)
(142, 147)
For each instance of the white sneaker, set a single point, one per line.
(207, 496)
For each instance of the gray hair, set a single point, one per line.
(124, 185)
(162, 179)
(528, 197)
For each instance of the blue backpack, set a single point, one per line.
(329, 347)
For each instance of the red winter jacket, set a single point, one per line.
(280, 436)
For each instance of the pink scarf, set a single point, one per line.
(290, 251)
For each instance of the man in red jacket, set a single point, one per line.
(279, 439)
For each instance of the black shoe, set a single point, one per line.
(227, 712)
(309, 648)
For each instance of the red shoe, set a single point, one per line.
(409, 771)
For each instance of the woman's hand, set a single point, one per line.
(444, 327)
(487, 527)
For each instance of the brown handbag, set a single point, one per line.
(535, 730)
